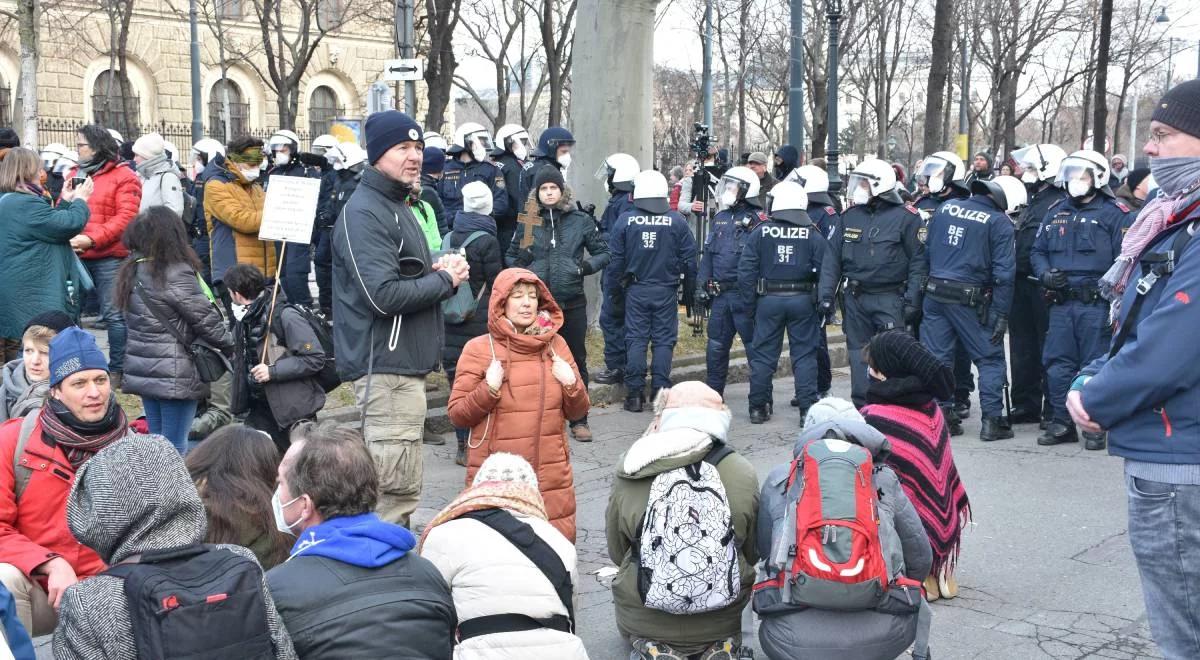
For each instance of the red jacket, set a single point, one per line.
(35, 530)
(113, 205)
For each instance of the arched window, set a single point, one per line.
(6, 107)
(239, 111)
(115, 105)
(322, 110)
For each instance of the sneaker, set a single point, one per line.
(609, 377)
(644, 649)
(581, 433)
(722, 650)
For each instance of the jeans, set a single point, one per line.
(171, 418)
(104, 274)
(1164, 530)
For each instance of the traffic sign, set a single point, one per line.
(404, 69)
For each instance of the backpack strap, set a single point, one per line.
(470, 239)
(539, 552)
(718, 453)
(21, 473)
(1161, 271)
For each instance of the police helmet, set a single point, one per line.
(68, 160)
(513, 138)
(619, 171)
(473, 139)
(1006, 191)
(650, 192)
(736, 185)
(323, 143)
(1076, 164)
(345, 155)
(205, 149)
(435, 140)
(1039, 162)
(172, 151)
(51, 153)
(116, 136)
(940, 169)
(788, 201)
(551, 139)
(876, 175)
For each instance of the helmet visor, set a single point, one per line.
(857, 180)
(482, 139)
(1075, 170)
(930, 168)
(730, 191)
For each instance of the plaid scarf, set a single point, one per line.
(511, 495)
(79, 439)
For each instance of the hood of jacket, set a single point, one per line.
(14, 378)
(503, 330)
(134, 496)
(215, 165)
(469, 221)
(151, 167)
(850, 430)
(363, 540)
(683, 436)
(565, 204)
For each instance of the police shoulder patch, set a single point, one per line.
(912, 209)
(922, 234)
(829, 211)
(1121, 205)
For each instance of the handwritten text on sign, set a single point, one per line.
(290, 209)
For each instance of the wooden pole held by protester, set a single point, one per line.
(274, 297)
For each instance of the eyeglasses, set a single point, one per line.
(1158, 135)
(80, 145)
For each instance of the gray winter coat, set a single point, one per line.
(132, 497)
(156, 364)
(19, 396)
(161, 185)
(814, 634)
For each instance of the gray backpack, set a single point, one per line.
(461, 307)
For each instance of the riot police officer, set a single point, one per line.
(618, 172)
(969, 292)
(204, 152)
(737, 197)
(1030, 317)
(553, 150)
(286, 160)
(822, 210)
(469, 162)
(652, 248)
(1077, 243)
(878, 252)
(347, 161)
(778, 280)
(511, 152)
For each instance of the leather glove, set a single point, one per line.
(912, 314)
(562, 371)
(1054, 279)
(617, 296)
(525, 257)
(494, 375)
(825, 309)
(999, 330)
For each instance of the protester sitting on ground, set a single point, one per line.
(516, 386)
(475, 235)
(135, 505)
(822, 618)
(168, 308)
(213, 411)
(686, 443)
(512, 574)
(26, 381)
(40, 557)
(353, 587)
(907, 381)
(281, 385)
(234, 471)
(38, 266)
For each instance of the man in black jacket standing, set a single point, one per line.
(388, 291)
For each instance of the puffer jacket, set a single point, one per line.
(528, 417)
(684, 436)
(161, 185)
(797, 633)
(156, 364)
(233, 209)
(37, 265)
(486, 261)
(382, 274)
(556, 255)
(114, 203)
(132, 497)
(502, 580)
(19, 396)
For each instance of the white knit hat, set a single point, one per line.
(503, 466)
(477, 198)
(149, 145)
(831, 408)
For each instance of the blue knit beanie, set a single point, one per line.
(387, 129)
(74, 350)
(434, 161)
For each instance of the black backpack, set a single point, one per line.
(196, 602)
(327, 377)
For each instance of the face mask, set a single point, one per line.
(520, 151)
(1029, 176)
(728, 199)
(565, 161)
(250, 174)
(479, 153)
(936, 184)
(1078, 188)
(282, 159)
(277, 509)
(337, 165)
(860, 196)
(1174, 175)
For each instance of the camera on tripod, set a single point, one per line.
(701, 140)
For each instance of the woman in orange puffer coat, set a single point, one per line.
(516, 386)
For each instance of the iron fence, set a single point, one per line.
(64, 130)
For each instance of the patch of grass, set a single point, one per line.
(131, 404)
(686, 344)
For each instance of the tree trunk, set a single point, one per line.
(943, 32)
(945, 101)
(553, 63)
(29, 19)
(443, 16)
(1100, 119)
(819, 94)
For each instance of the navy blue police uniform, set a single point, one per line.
(297, 258)
(778, 279)
(650, 253)
(971, 267)
(877, 250)
(343, 184)
(506, 223)
(1081, 239)
(718, 280)
(612, 314)
(1030, 316)
(826, 218)
(458, 174)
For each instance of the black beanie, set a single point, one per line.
(549, 174)
(1136, 177)
(387, 129)
(9, 138)
(55, 320)
(896, 354)
(1179, 108)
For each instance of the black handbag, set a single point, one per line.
(210, 363)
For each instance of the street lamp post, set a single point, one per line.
(1170, 60)
(796, 97)
(197, 122)
(833, 11)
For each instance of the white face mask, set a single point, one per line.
(565, 161)
(728, 199)
(1078, 188)
(520, 151)
(936, 184)
(282, 159)
(1029, 176)
(277, 509)
(479, 153)
(861, 196)
(251, 174)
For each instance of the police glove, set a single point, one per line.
(826, 311)
(1054, 279)
(999, 330)
(912, 314)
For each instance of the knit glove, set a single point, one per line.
(494, 375)
(562, 371)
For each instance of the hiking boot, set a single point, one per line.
(722, 650)
(609, 377)
(581, 433)
(931, 588)
(644, 649)
(431, 438)
(461, 457)
(634, 402)
(1058, 433)
(759, 415)
(995, 428)
(962, 408)
(1094, 441)
(1025, 416)
(795, 403)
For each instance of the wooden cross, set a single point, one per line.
(529, 219)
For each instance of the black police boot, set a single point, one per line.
(953, 423)
(795, 403)
(609, 377)
(1022, 415)
(634, 402)
(995, 428)
(1094, 441)
(1058, 433)
(759, 415)
(962, 407)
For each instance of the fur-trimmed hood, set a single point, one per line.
(683, 436)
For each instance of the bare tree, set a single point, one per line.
(556, 19)
(28, 21)
(943, 33)
(439, 23)
(498, 35)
